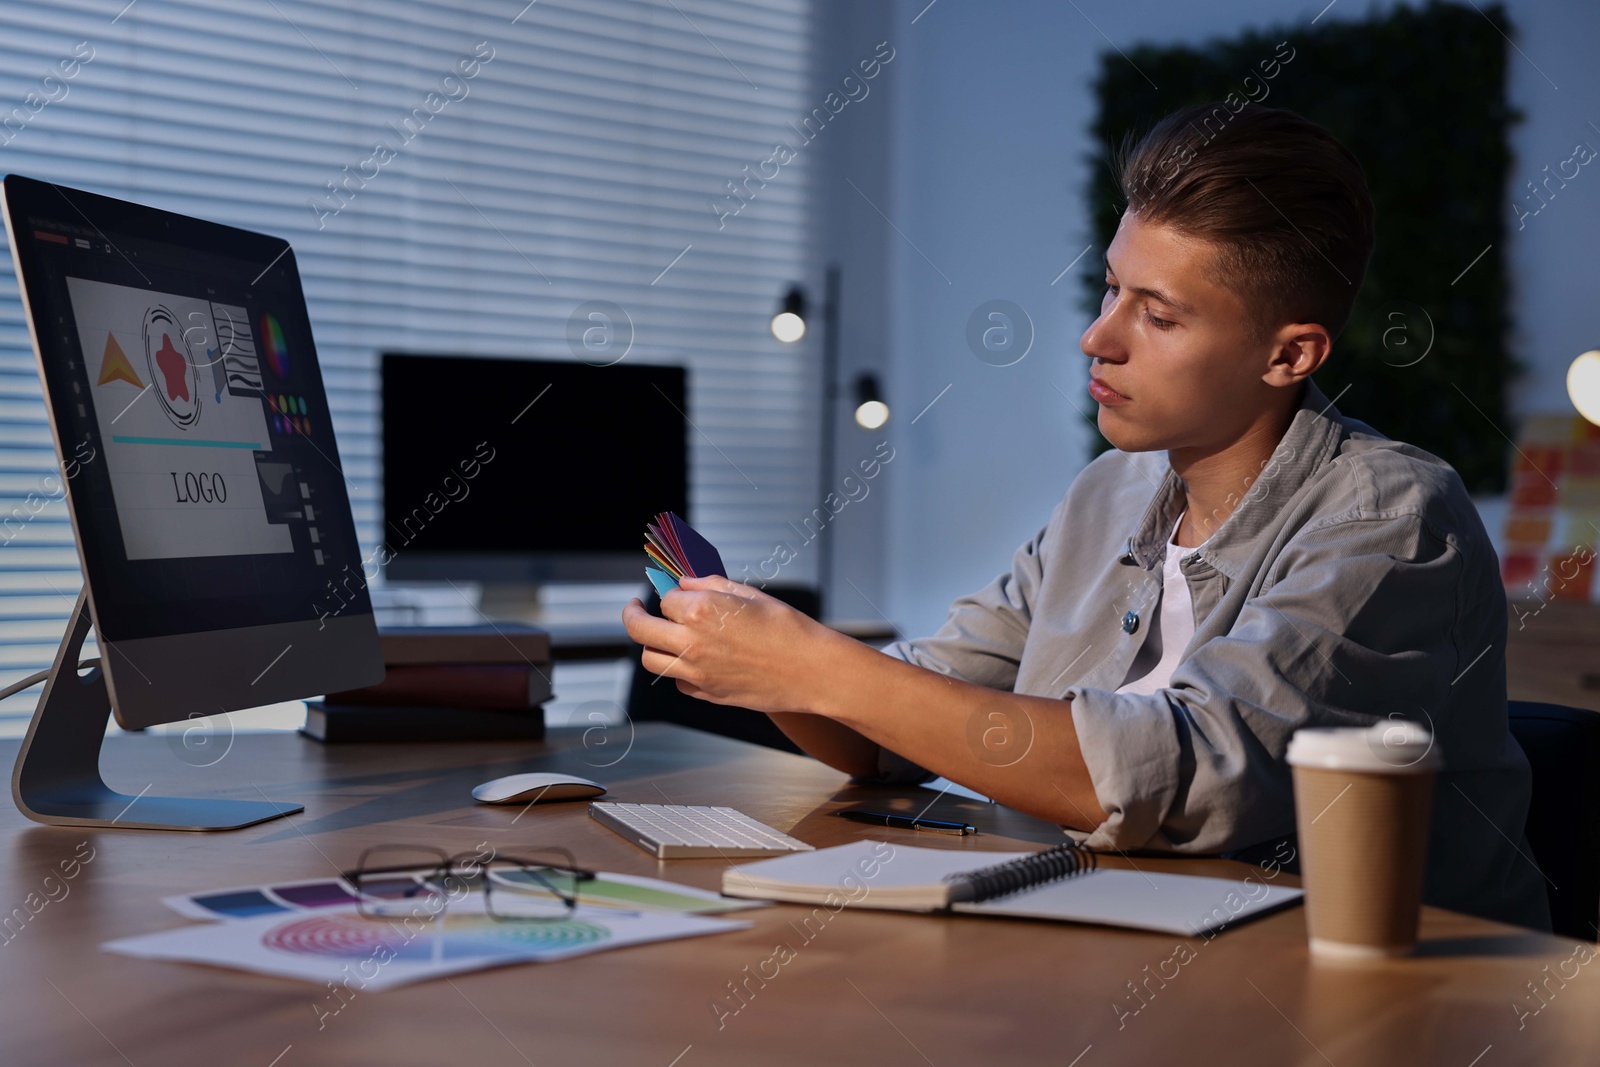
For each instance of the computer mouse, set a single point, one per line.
(536, 788)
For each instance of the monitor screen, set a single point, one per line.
(528, 469)
(189, 412)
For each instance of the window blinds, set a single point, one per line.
(455, 178)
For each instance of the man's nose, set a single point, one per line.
(1101, 340)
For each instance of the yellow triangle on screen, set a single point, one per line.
(115, 365)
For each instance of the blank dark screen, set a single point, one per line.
(529, 456)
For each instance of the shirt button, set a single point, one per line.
(1130, 622)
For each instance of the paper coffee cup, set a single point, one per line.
(1363, 799)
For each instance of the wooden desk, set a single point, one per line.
(867, 988)
(1553, 652)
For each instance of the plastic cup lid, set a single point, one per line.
(1390, 745)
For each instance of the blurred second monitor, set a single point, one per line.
(518, 472)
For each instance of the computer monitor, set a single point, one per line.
(526, 471)
(203, 482)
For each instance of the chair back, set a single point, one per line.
(1563, 747)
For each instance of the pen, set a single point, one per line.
(906, 822)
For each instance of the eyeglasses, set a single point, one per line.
(417, 881)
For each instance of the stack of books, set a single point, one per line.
(445, 683)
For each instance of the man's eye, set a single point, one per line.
(1160, 324)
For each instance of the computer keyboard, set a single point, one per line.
(685, 831)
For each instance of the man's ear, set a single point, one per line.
(1299, 349)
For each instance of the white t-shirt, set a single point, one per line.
(1171, 626)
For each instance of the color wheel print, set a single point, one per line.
(353, 937)
(277, 352)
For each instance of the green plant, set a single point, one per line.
(1419, 96)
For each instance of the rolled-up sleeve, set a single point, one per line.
(1359, 622)
(1135, 749)
(981, 640)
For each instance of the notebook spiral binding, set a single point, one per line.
(1002, 879)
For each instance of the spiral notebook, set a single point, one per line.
(1063, 884)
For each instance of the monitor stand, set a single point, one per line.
(57, 776)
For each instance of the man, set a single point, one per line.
(1246, 562)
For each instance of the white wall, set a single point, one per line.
(853, 184)
(989, 155)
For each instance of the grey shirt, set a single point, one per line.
(1353, 582)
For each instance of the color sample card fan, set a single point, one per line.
(677, 551)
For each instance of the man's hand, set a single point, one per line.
(730, 643)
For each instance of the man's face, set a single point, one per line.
(1175, 344)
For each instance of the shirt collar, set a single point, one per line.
(1310, 441)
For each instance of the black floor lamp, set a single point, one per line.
(789, 325)
(830, 422)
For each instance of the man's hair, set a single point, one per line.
(1286, 204)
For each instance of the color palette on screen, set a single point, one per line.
(289, 413)
(272, 345)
